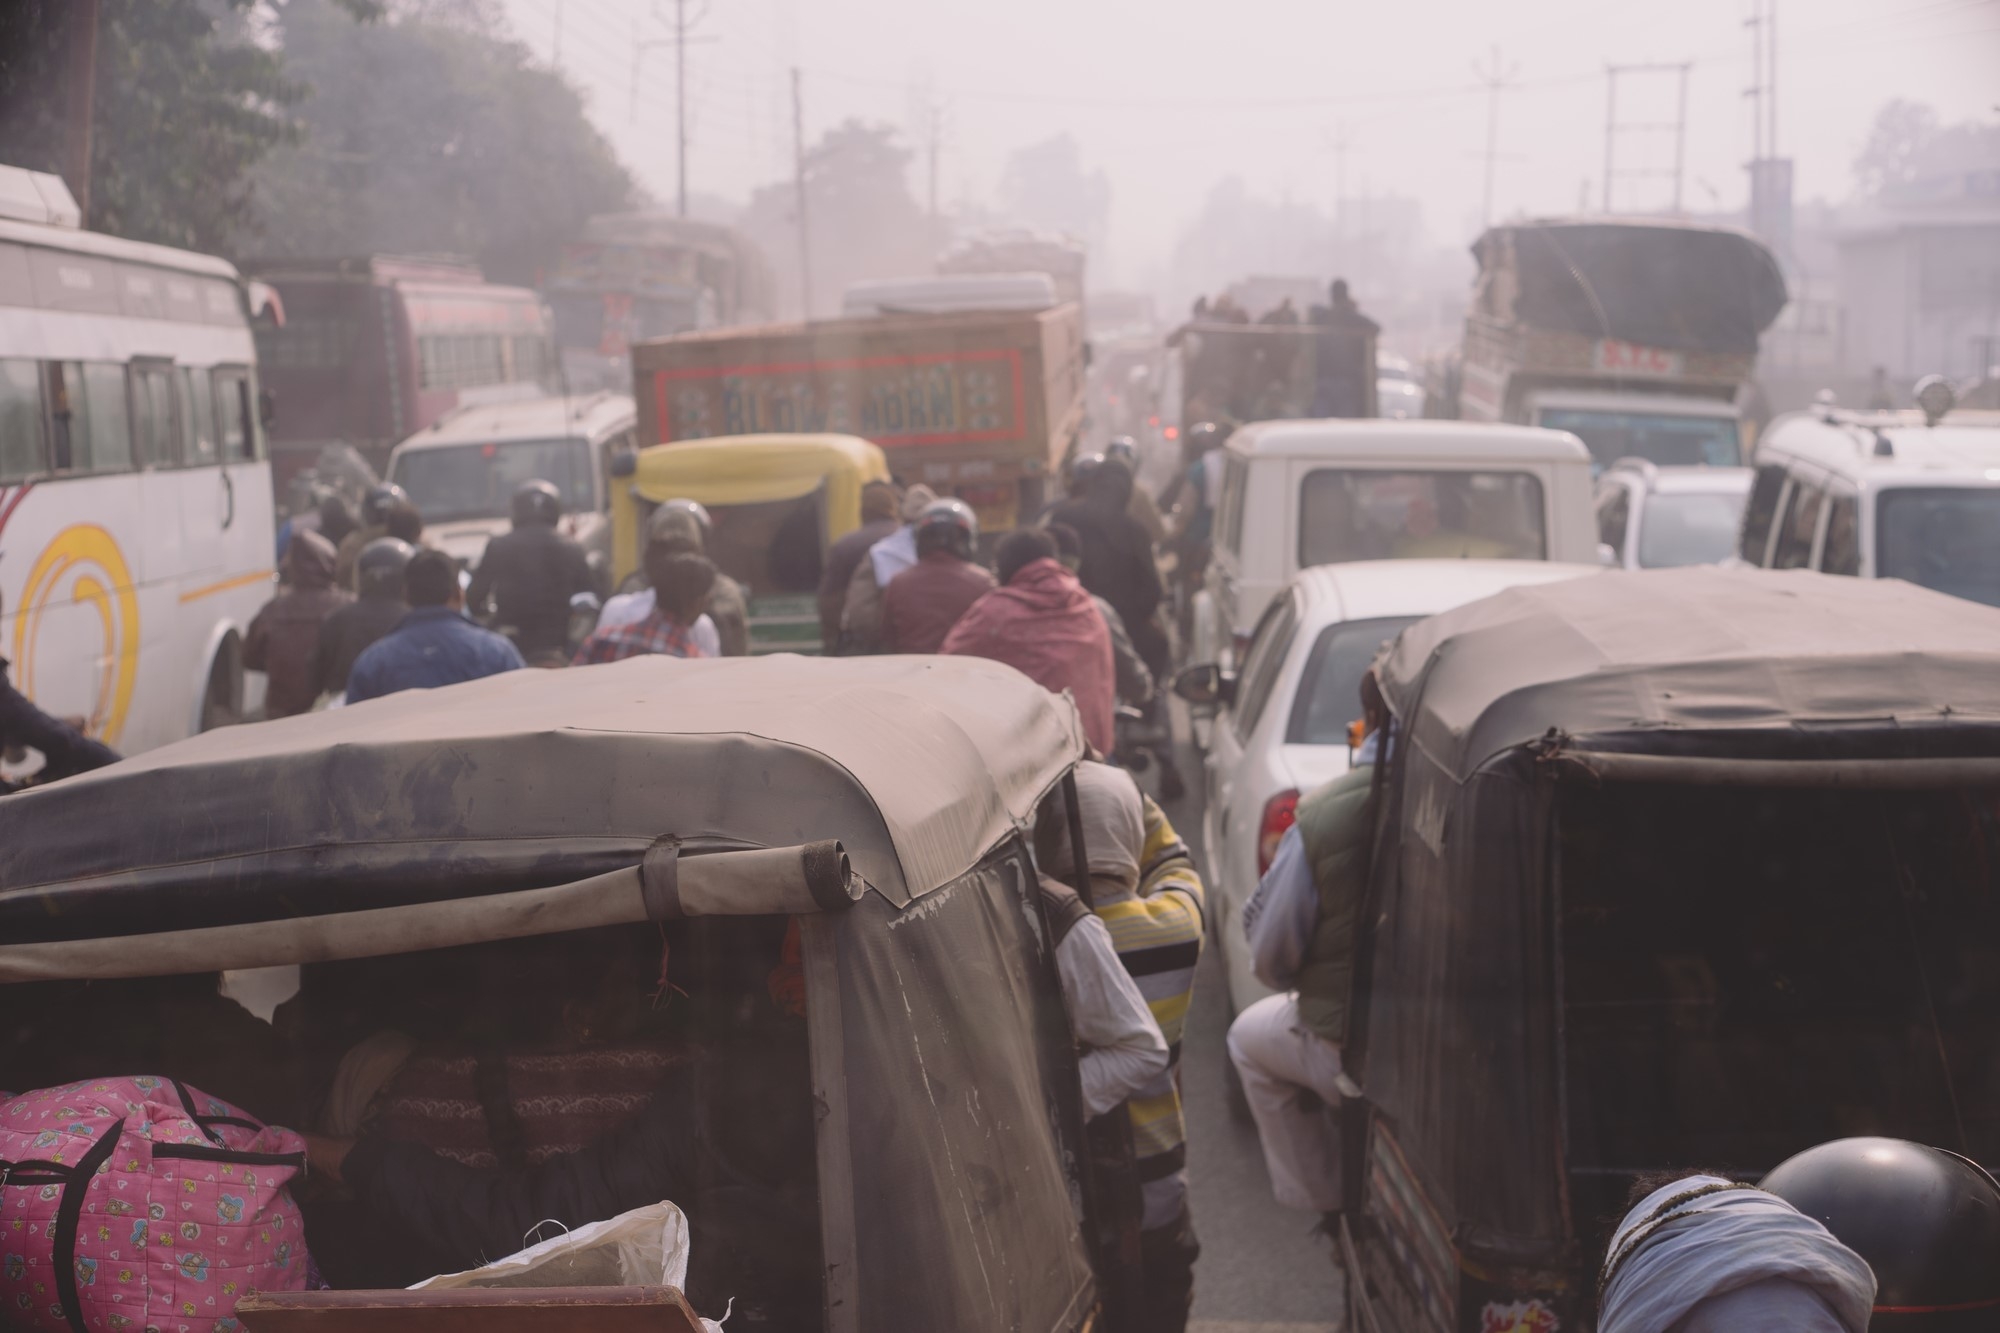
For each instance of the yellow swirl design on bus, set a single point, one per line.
(86, 557)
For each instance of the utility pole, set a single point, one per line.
(681, 99)
(937, 132)
(1613, 128)
(82, 99)
(799, 177)
(1496, 78)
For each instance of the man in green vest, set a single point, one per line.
(1302, 924)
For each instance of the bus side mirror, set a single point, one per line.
(1206, 685)
(625, 463)
(267, 408)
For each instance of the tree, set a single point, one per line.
(865, 222)
(186, 104)
(1044, 185)
(1908, 150)
(430, 132)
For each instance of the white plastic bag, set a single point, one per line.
(647, 1247)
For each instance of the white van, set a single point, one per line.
(1880, 495)
(462, 472)
(1302, 493)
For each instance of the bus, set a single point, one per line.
(135, 495)
(374, 348)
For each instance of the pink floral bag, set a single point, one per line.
(139, 1203)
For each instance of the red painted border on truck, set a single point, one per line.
(1011, 355)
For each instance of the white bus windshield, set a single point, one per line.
(463, 481)
(1946, 538)
(1666, 438)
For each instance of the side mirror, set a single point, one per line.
(1206, 685)
(1607, 555)
(267, 408)
(625, 463)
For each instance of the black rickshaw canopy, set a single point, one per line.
(1706, 676)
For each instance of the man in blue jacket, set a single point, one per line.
(434, 644)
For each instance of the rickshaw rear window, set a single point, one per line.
(1746, 974)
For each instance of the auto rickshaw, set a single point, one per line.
(777, 501)
(1676, 869)
(827, 862)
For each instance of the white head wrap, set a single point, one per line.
(1701, 1238)
(1114, 826)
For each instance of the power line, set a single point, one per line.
(1498, 79)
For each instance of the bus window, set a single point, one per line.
(21, 451)
(153, 423)
(235, 418)
(198, 442)
(87, 409)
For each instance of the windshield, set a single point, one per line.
(1688, 530)
(1329, 694)
(1946, 538)
(1658, 437)
(477, 480)
(1374, 515)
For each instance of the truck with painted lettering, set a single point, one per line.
(1635, 335)
(981, 404)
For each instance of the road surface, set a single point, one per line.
(1261, 1271)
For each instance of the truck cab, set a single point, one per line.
(1301, 493)
(1672, 430)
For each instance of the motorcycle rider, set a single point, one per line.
(378, 506)
(1143, 509)
(530, 574)
(923, 602)
(721, 631)
(349, 629)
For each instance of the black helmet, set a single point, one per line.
(1123, 447)
(382, 497)
(537, 502)
(1081, 469)
(379, 567)
(1205, 435)
(948, 523)
(1926, 1220)
(679, 518)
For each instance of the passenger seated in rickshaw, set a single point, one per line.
(429, 1201)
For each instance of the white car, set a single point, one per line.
(1398, 396)
(1282, 728)
(1653, 517)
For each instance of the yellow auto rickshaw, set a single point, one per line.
(775, 502)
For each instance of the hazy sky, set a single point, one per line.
(1169, 97)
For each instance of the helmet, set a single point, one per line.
(949, 523)
(537, 502)
(1926, 1220)
(1080, 470)
(1204, 435)
(381, 498)
(674, 519)
(379, 567)
(1123, 447)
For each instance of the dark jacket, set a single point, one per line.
(922, 603)
(1118, 560)
(430, 646)
(531, 573)
(838, 570)
(284, 638)
(65, 750)
(347, 632)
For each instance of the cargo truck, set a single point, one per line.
(1636, 336)
(978, 404)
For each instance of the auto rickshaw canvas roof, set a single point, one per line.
(919, 765)
(1655, 654)
(760, 469)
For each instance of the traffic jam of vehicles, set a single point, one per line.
(635, 791)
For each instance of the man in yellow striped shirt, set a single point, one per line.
(1143, 886)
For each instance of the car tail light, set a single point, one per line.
(1172, 432)
(1280, 813)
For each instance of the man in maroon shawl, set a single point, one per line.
(1042, 623)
